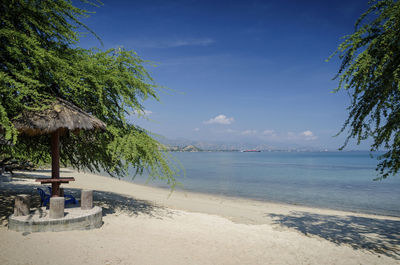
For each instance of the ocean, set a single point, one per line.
(333, 180)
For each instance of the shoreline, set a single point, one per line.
(199, 202)
(144, 225)
(249, 199)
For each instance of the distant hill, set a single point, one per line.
(187, 148)
(179, 144)
(191, 148)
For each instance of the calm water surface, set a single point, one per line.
(335, 180)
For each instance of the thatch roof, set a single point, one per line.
(61, 114)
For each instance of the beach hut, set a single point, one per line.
(61, 116)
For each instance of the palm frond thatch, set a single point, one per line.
(61, 115)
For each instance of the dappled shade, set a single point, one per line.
(110, 202)
(373, 234)
(62, 115)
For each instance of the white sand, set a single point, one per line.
(143, 225)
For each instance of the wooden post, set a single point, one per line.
(55, 162)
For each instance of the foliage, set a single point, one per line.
(39, 60)
(370, 71)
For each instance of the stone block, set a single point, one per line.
(22, 205)
(56, 207)
(86, 199)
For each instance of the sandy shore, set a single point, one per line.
(145, 225)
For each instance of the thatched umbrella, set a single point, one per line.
(55, 120)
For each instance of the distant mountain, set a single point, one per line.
(196, 146)
(188, 148)
(191, 148)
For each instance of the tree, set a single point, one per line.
(370, 71)
(39, 61)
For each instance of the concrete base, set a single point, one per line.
(74, 219)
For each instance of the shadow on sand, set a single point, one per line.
(112, 203)
(8, 191)
(376, 235)
(37, 173)
(21, 172)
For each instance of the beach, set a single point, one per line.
(147, 225)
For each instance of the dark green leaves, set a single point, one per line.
(38, 61)
(370, 71)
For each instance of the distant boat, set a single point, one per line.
(251, 151)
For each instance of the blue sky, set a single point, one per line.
(239, 71)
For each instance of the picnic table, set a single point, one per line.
(55, 183)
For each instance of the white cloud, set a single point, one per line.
(142, 112)
(196, 129)
(164, 43)
(190, 42)
(224, 131)
(220, 119)
(249, 132)
(308, 135)
(230, 131)
(269, 133)
(147, 112)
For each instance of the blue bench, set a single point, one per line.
(68, 198)
(45, 198)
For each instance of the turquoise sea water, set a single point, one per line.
(335, 180)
